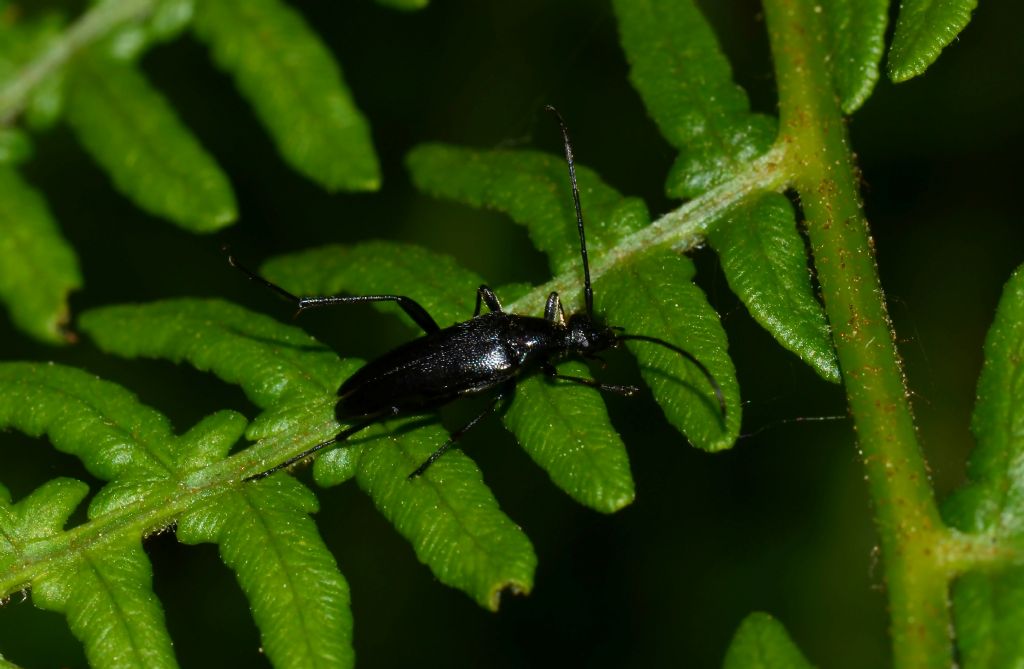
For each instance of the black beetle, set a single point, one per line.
(489, 351)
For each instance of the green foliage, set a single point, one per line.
(449, 515)
(667, 306)
(295, 86)
(39, 268)
(131, 130)
(565, 429)
(105, 591)
(989, 605)
(107, 598)
(531, 187)
(655, 296)
(993, 501)
(857, 33)
(923, 30)
(274, 364)
(686, 82)
(297, 596)
(505, 181)
(761, 642)
(97, 575)
(988, 611)
(86, 75)
(765, 262)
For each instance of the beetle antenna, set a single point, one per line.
(253, 276)
(719, 395)
(588, 292)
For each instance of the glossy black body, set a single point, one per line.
(475, 356)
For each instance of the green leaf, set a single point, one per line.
(988, 606)
(295, 378)
(39, 268)
(589, 463)
(446, 290)
(761, 642)
(208, 442)
(448, 514)
(686, 83)
(988, 613)
(533, 189)
(41, 515)
(105, 591)
(109, 602)
(104, 584)
(993, 500)
(98, 421)
(274, 364)
(296, 88)
(765, 262)
(924, 28)
(857, 30)
(134, 134)
(653, 295)
(299, 599)
(572, 438)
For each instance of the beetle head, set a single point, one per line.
(587, 337)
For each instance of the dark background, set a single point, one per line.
(781, 523)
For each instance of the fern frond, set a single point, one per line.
(686, 83)
(532, 188)
(857, 36)
(449, 515)
(765, 262)
(988, 601)
(761, 642)
(924, 28)
(588, 461)
(654, 295)
(132, 131)
(296, 88)
(624, 295)
(39, 268)
(86, 74)
(298, 598)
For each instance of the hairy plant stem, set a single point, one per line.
(824, 175)
(93, 25)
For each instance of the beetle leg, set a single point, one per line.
(408, 305)
(457, 434)
(552, 373)
(553, 309)
(486, 296)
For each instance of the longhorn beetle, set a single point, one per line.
(488, 352)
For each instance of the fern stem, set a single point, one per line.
(93, 25)
(681, 229)
(824, 174)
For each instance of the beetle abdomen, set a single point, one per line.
(465, 358)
